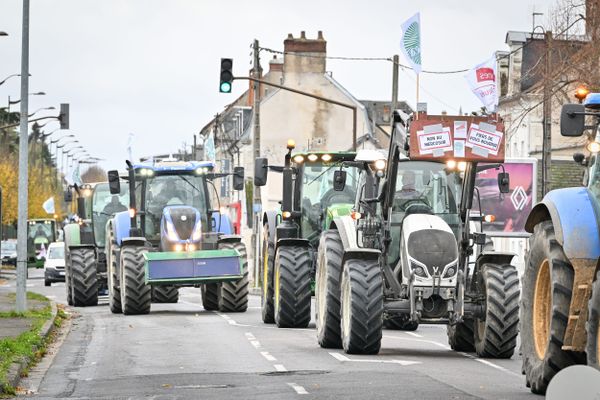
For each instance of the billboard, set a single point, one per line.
(510, 209)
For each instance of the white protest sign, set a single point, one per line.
(460, 129)
(459, 148)
(434, 139)
(484, 139)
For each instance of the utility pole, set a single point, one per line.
(547, 117)
(256, 199)
(21, 295)
(395, 68)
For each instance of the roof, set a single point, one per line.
(174, 165)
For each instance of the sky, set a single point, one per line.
(151, 67)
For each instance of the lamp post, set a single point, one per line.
(41, 109)
(7, 78)
(11, 102)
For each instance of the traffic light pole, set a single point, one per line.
(256, 198)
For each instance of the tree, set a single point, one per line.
(94, 173)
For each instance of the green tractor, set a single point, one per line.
(85, 259)
(40, 233)
(318, 186)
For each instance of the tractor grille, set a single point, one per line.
(184, 228)
(434, 248)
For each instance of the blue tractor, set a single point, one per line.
(173, 236)
(560, 301)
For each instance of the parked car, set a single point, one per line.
(9, 252)
(54, 265)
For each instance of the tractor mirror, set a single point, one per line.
(114, 182)
(238, 178)
(68, 196)
(339, 180)
(503, 182)
(572, 120)
(261, 169)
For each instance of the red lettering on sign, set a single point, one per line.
(485, 74)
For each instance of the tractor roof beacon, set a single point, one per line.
(173, 236)
(317, 187)
(403, 255)
(561, 327)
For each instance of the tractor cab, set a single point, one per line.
(40, 233)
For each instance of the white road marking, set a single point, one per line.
(229, 320)
(51, 297)
(266, 355)
(250, 336)
(279, 368)
(413, 334)
(343, 358)
(255, 343)
(299, 389)
(200, 387)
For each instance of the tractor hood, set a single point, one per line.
(429, 241)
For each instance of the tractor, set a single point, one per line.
(172, 237)
(560, 301)
(40, 233)
(85, 259)
(404, 252)
(310, 200)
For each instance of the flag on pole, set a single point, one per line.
(411, 42)
(209, 148)
(48, 206)
(482, 80)
(77, 175)
(42, 253)
(130, 146)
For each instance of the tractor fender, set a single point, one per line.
(292, 242)
(494, 257)
(133, 241)
(576, 219)
(230, 239)
(346, 227)
(72, 235)
(270, 218)
(121, 225)
(222, 223)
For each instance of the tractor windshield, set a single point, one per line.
(171, 190)
(104, 206)
(317, 194)
(40, 234)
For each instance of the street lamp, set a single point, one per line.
(8, 77)
(2, 33)
(11, 102)
(41, 109)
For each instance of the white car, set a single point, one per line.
(54, 266)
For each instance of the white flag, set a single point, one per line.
(482, 80)
(209, 148)
(411, 42)
(77, 175)
(48, 206)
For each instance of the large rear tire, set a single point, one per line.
(496, 335)
(400, 323)
(135, 293)
(361, 307)
(266, 275)
(593, 326)
(114, 291)
(68, 286)
(83, 277)
(165, 294)
(460, 336)
(327, 289)
(545, 302)
(210, 296)
(293, 265)
(233, 295)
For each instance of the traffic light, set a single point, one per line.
(63, 117)
(581, 93)
(226, 75)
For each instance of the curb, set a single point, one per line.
(14, 374)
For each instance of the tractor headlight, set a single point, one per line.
(171, 233)
(450, 271)
(326, 157)
(299, 159)
(419, 270)
(178, 247)
(379, 165)
(312, 157)
(593, 147)
(197, 233)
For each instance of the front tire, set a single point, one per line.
(593, 326)
(327, 290)
(545, 302)
(47, 283)
(84, 280)
(135, 293)
(165, 294)
(460, 336)
(210, 296)
(496, 335)
(293, 265)
(233, 295)
(267, 303)
(361, 307)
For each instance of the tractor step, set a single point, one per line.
(193, 267)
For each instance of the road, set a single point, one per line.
(180, 351)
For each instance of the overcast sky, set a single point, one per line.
(150, 67)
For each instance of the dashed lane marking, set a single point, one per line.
(299, 389)
(266, 355)
(279, 368)
(343, 358)
(250, 336)
(255, 343)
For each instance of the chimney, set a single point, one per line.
(304, 55)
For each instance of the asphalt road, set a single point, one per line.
(180, 351)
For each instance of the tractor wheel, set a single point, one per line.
(68, 288)
(593, 326)
(233, 296)
(266, 276)
(84, 281)
(545, 301)
(327, 289)
(210, 296)
(496, 335)
(165, 294)
(47, 283)
(293, 265)
(114, 291)
(460, 336)
(400, 323)
(136, 296)
(361, 307)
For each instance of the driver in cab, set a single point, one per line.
(408, 190)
